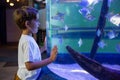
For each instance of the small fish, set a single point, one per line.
(80, 42)
(93, 2)
(115, 20)
(90, 17)
(98, 32)
(66, 27)
(86, 3)
(109, 15)
(84, 11)
(109, 2)
(111, 34)
(58, 16)
(118, 48)
(101, 44)
(61, 40)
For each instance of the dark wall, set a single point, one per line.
(2, 25)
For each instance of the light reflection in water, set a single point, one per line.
(74, 71)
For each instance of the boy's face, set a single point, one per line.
(34, 24)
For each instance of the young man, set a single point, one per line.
(29, 55)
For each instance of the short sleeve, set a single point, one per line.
(28, 52)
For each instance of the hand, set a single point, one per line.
(53, 53)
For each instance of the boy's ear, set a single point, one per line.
(27, 23)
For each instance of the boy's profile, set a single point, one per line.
(29, 54)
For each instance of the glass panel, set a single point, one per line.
(74, 23)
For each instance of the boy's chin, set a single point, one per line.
(34, 32)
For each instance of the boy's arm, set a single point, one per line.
(36, 65)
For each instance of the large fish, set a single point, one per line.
(93, 67)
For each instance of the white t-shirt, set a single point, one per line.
(28, 50)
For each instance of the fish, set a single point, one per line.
(90, 17)
(109, 2)
(87, 3)
(80, 42)
(115, 20)
(61, 40)
(93, 67)
(84, 3)
(101, 44)
(84, 11)
(58, 16)
(66, 27)
(112, 34)
(118, 48)
(98, 32)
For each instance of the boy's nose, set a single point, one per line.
(39, 23)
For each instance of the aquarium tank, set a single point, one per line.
(91, 27)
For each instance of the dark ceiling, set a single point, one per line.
(6, 5)
(3, 3)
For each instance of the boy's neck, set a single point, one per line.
(26, 32)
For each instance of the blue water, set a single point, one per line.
(75, 72)
(61, 14)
